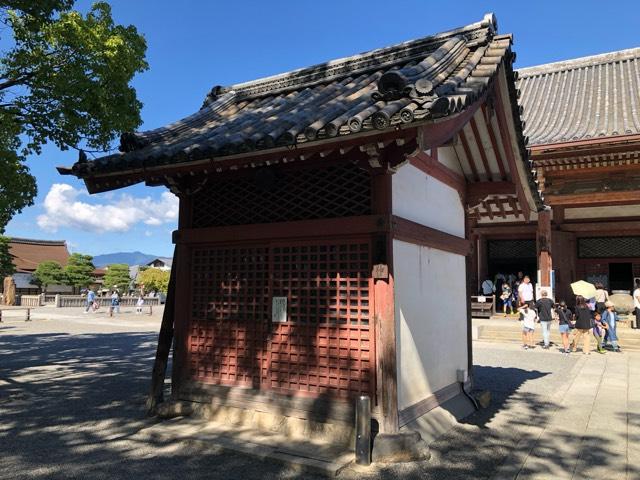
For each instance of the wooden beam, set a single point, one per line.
(558, 215)
(487, 207)
(439, 171)
(477, 192)
(508, 148)
(467, 153)
(602, 226)
(594, 199)
(500, 206)
(494, 142)
(329, 227)
(412, 232)
(508, 230)
(478, 140)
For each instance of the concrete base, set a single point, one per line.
(405, 446)
(440, 420)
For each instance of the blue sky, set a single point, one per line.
(194, 45)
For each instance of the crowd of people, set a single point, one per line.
(93, 302)
(591, 317)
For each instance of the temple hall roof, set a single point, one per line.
(581, 99)
(381, 90)
(29, 253)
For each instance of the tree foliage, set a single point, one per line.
(64, 79)
(79, 270)
(6, 260)
(154, 279)
(49, 273)
(117, 276)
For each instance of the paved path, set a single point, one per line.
(72, 392)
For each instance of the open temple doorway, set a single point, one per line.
(512, 256)
(621, 276)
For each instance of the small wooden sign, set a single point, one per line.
(279, 309)
(380, 271)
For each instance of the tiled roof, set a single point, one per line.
(379, 90)
(590, 97)
(28, 253)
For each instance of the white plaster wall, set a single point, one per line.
(431, 320)
(449, 158)
(425, 200)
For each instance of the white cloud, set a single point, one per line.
(148, 233)
(117, 214)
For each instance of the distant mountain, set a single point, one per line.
(130, 258)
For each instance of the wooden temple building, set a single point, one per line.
(324, 244)
(582, 120)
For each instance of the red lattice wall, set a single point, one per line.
(327, 344)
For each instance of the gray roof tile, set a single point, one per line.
(580, 99)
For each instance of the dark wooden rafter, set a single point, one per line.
(467, 154)
(476, 192)
(494, 141)
(514, 206)
(591, 147)
(508, 147)
(487, 208)
(594, 199)
(412, 232)
(500, 205)
(483, 154)
(431, 166)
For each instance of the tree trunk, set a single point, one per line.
(165, 338)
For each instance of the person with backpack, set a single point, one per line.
(565, 324)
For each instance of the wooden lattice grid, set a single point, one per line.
(267, 196)
(325, 347)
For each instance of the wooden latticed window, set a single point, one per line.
(609, 247)
(268, 196)
(326, 346)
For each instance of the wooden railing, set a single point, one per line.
(483, 306)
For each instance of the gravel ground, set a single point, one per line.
(72, 394)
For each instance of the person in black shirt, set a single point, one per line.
(584, 323)
(565, 321)
(544, 306)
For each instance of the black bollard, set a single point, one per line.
(363, 430)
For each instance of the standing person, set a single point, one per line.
(601, 297)
(525, 292)
(507, 298)
(545, 307)
(91, 296)
(528, 317)
(636, 303)
(565, 321)
(115, 302)
(487, 287)
(610, 317)
(599, 329)
(584, 323)
(139, 304)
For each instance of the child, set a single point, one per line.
(599, 329)
(507, 298)
(528, 317)
(139, 305)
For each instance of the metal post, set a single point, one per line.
(363, 430)
(150, 309)
(28, 319)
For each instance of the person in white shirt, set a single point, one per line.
(636, 303)
(528, 317)
(525, 292)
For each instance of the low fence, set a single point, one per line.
(30, 300)
(49, 299)
(79, 301)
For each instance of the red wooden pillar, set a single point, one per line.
(544, 248)
(384, 308)
(182, 300)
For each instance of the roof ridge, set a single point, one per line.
(351, 65)
(34, 241)
(580, 62)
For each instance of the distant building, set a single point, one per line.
(163, 263)
(27, 254)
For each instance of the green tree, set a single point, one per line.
(49, 273)
(6, 260)
(79, 270)
(154, 279)
(63, 79)
(117, 276)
